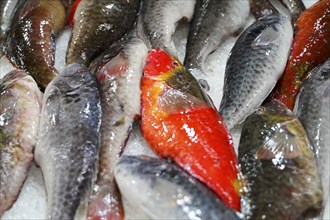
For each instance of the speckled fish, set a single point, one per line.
(163, 191)
(30, 42)
(159, 19)
(279, 166)
(98, 24)
(180, 123)
(213, 22)
(20, 106)
(68, 140)
(6, 10)
(256, 62)
(119, 85)
(310, 48)
(313, 109)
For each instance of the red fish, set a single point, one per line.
(310, 48)
(180, 123)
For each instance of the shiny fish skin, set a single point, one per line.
(312, 108)
(279, 166)
(159, 19)
(213, 22)
(98, 24)
(256, 62)
(6, 10)
(296, 8)
(119, 85)
(164, 191)
(68, 140)
(30, 42)
(20, 106)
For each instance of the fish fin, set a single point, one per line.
(172, 100)
(116, 66)
(266, 37)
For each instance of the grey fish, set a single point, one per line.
(164, 191)
(296, 7)
(119, 85)
(7, 8)
(98, 24)
(30, 41)
(213, 22)
(68, 140)
(256, 62)
(159, 19)
(313, 109)
(278, 164)
(20, 106)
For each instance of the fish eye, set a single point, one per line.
(175, 63)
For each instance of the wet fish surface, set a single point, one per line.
(20, 106)
(159, 19)
(313, 109)
(164, 191)
(213, 22)
(98, 24)
(119, 86)
(68, 140)
(256, 62)
(30, 42)
(278, 164)
(6, 10)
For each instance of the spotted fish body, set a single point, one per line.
(68, 139)
(159, 19)
(312, 108)
(213, 22)
(256, 62)
(163, 191)
(98, 24)
(279, 166)
(30, 42)
(119, 85)
(20, 106)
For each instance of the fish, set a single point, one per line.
(119, 85)
(180, 123)
(30, 42)
(67, 149)
(213, 22)
(20, 107)
(296, 8)
(312, 108)
(7, 8)
(310, 48)
(278, 165)
(255, 63)
(158, 21)
(164, 191)
(97, 25)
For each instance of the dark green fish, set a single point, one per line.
(278, 164)
(98, 24)
(30, 42)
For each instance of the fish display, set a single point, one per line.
(310, 48)
(255, 63)
(30, 42)
(68, 140)
(119, 85)
(20, 107)
(312, 108)
(178, 122)
(7, 8)
(97, 25)
(278, 164)
(213, 22)
(159, 19)
(164, 191)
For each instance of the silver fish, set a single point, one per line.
(68, 141)
(164, 191)
(119, 85)
(256, 62)
(20, 106)
(313, 109)
(6, 10)
(158, 20)
(213, 22)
